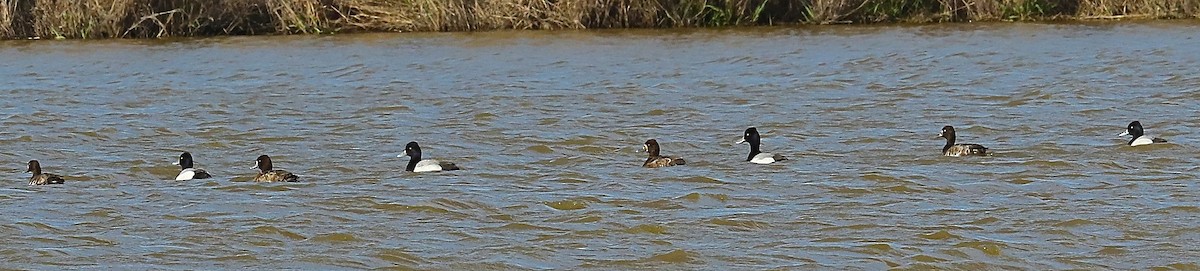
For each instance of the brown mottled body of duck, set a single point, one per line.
(655, 160)
(40, 178)
(952, 149)
(266, 173)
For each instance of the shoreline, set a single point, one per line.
(103, 19)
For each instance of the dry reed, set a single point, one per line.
(160, 18)
(6, 18)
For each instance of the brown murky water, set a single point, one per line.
(547, 125)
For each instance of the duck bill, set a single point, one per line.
(1125, 133)
(402, 155)
(740, 141)
(175, 163)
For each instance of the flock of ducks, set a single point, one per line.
(267, 172)
(751, 136)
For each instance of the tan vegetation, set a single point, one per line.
(160, 18)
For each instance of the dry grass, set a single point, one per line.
(159, 18)
(6, 18)
(79, 18)
(832, 11)
(1134, 8)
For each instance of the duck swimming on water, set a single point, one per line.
(756, 156)
(267, 173)
(188, 172)
(416, 164)
(655, 160)
(1139, 135)
(956, 150)
(40, 178)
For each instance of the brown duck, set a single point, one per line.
(655, 160)
(40, 178)
(952, 149)
(267, 174)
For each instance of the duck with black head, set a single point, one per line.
(655, 160)
(417, 164)
(267, 173)
(951, 149)
(40, 178)
(757, 156)
(1139, 135)
(189, 172)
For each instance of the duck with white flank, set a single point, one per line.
(416, 164)
(756, 156)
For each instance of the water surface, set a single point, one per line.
(547, 126)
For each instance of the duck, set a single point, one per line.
(267, 173)
(188, 172)
(40, 178)
(655, 160)
(415, 164)
(956, 150)
(758, 157)
(1139, 136)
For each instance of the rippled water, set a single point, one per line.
(547, 125)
